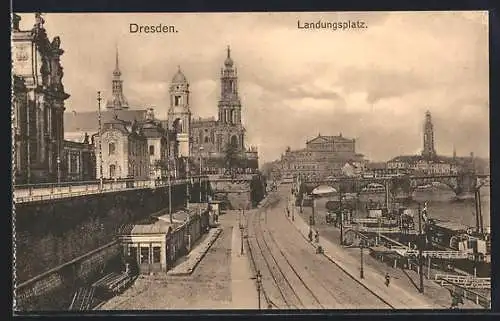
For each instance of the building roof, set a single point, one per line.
(157, 227)
(179, 77)
(88, 121)
(327, 139)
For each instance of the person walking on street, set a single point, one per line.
(387, 279)
(317, 237)
(310, 235)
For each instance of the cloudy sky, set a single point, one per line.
(372, 84)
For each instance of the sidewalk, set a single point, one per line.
(373, 280)
(243, 288)
(193, 258)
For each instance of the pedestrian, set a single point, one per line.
(310, 235)
(387, 279)
(317, 237)
(287, 212)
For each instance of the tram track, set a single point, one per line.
(297, 284)
(286, 281)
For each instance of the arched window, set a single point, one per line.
(206, 139)
(151, 150)
(177, 125)
(111, 148)
(112, 171)
(234, 140)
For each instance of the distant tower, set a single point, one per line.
(179, 114)
(428, 151)
(454, 152)
(229, 103)
(117, 100)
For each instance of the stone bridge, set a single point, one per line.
(240, 191)
(401, 185)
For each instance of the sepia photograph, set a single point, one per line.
(250, 161)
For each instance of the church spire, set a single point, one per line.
(117, 100)
(228, 51)
(117, 72)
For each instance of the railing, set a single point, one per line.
(31, 193)
(468, 282)
(449, 255)
(479, 299)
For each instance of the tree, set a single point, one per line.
(231, 158)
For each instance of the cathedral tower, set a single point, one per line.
(229, 103)
(117, 100)
(179, 113)
(229, 120)
(428, 151)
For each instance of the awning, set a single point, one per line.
(324, 189)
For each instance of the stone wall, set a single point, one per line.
(50, 235)
(54, 289)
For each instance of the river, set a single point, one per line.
(440, 205)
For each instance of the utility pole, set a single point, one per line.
(341, 220)
(201, 150)
(100, 139)
(420, 261)
(169, 192)
(361, 271)
(259, 284)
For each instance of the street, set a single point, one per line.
(293, 275)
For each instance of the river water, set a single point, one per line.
(441, 205)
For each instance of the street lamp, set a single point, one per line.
(100, 139)
(341, 220)
(58, 160)
(201, 150)
(259, 285)
(420, 241)
(169, 192)
(361, 246)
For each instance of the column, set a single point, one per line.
(79, 165)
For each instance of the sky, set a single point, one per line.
(373, 84)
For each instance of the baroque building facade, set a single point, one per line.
(38, 103)
(322, 157)
(40, 151)
(208, 138)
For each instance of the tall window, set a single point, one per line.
(111, 148)
(156, 254)
(177, 100)
(151, 150)
(112, 170)
(144, 255)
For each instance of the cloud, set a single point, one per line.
(372, 84)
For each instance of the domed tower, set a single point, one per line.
(179, 114)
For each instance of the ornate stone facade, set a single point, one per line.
(209, 137)
(323, 156)
(38, 103)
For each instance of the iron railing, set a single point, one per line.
(49, 191)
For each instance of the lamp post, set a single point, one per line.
(169, 193)
(201, 150)
(341, 220)
(420, 261)
(361, 246)
(58, 160)
(259, 285)
(100, 139)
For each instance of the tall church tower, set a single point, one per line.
(230, 108)
(428, 151)
(117, 100)
(179, 113)
(229, 103)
